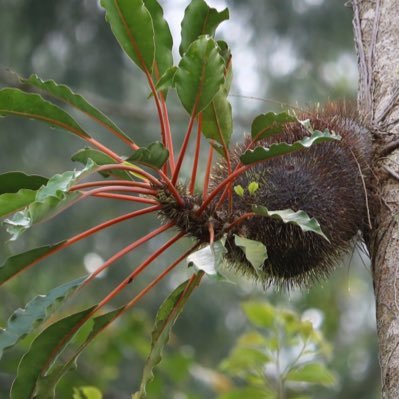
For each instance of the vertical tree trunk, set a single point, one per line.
(376, 28)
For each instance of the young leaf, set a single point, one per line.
(300, 218)
(270, 124)
(155, 154)
(199, 19)
(50, 200)
(163, 38)
(166, 317)
(132, 26)
(14, 102)
(166, 81)
(263, 153)
(42, 352)
(260, 314)
(11, 182)
(17, 263)
(200, 75)
(313, 373)
(24, 321)
(255, 251)
(65, 94)
(87, 393)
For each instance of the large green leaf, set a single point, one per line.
(166, 317)
(17, 263)
(155, 154)
(255, 251)
(199, 19)
(14, 102)
(24, 321)
(46, 384)
(300, 218)
(163, 38)
(266, 125)
(65, 94)
(42, 353)
(200, 74)
(49, 201)
(10, 203)
(132, 26)
(263, 153)
(11, 182)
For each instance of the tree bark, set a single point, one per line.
(376, 28)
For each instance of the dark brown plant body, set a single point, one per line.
(330, 181)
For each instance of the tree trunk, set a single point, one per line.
(376, 28)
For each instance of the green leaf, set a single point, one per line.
(239, 190)
(24, 321)
(42, 352)
(300, 218)
(260, 314)
(14, 102)
(249, 393)
(255, 251)
(253, 187)
(155, 154)
(245, 360)
(263, 153)
(166, 81)
(50, 199)
(166, 317)
(65, 94)
(17, 263)
(99, 158)
(87, 393)
(270, 124)
(313, 373)
(46, 384)
(132, 26)
(199, 19)
(200, 75)
(163, 38)
(11, 182)
(10, 203)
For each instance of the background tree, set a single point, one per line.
(378, 55)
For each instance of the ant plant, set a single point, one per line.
(148, 176)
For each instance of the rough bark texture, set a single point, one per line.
(376, 27)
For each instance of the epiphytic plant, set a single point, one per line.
(223, 220)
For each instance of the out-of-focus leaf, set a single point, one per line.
(200, 74)
(249, 393)
(255, 251)
(245, 360)
(50, 199)
(163, 38)
(270, 124)
(42, 353)
(14, 102)
(87, 393)
(11, 182)
(260, 314)
(313, 373)
(166, 317)
(24, 321)
(132, 26)
(199, 19)
(65, 94)
(155, 154)
(263, 153)
(300, 218)
(17, 263)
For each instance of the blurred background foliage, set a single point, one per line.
(299, 52)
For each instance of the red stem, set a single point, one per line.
(241, 219)
(168, 134)
(110, 183)
(208, 172)
(122, 197)
(171, 188)
(222, 185)
(138, 270)
(184, 146)
(126, 250)
(196, 155)
(104, 149)
(132, 169)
